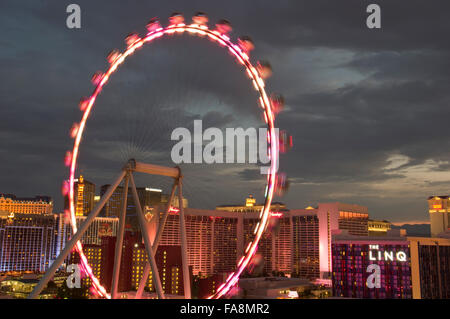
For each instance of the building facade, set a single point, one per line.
(148, 198)
(430, 267)
(378, 227)
(338, 216)
(305, 248)
(100, 227)
(217, 240)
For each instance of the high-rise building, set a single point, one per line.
(100, 227)
(305, 240)
(27, 241)
(94, 257)
(175, 200)
(277, 250)
(200, 226)
(84, 193)
(439, 210)
(357, 259)
(216, 240)
(251, 206)
(208, 285)
(39, 205)
(430, 267)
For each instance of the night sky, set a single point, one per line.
(368, 109)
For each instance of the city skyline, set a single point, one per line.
(303, 244)
(244, 151)
(98, 194)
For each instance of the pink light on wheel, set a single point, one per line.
(116, 59)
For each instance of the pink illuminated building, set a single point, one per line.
(296, 242)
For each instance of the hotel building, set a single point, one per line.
(100, 227)
(439, 210)
(338, 216)
(148, 197)
(305, 244)
(251, 206)
(378, 227)
(84, 193)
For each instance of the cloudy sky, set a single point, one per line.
(368, 109)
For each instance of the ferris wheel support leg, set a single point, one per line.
(75, 238)
(184, 258)
(161, 225)
(147, 241)
(119, 241)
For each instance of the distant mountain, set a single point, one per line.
(420, 230)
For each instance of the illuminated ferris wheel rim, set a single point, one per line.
(264, 102)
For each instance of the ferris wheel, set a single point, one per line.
(269, 106)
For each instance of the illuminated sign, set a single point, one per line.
(437, 206)
(375, 254)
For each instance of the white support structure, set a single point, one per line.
(157, 170)
(127, 176)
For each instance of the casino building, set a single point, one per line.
(27, 242)
(410, 267)
(84, 193)
(430, 267)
